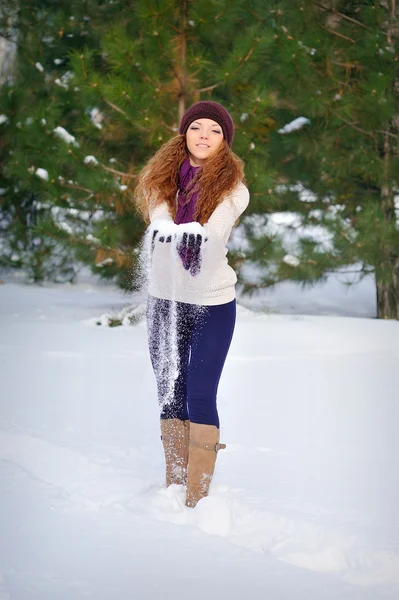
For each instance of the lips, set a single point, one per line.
(202, 146)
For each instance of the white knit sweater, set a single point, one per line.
(215, 281)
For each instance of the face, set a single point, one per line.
(203, 139)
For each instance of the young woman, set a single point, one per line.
(192, 192)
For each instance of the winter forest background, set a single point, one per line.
(89, 90)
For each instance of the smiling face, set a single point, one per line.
(203, 138)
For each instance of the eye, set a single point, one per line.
(194, 127)
(216, 131)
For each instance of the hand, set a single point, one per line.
(189, 251)
(161, 239)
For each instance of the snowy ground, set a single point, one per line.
(304, 503)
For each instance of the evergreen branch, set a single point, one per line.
(252, 12)
(122, 112)
(343, 16)
(78, 240)
(241, 63)
(176, 29)
(394, 135)
(171, 65)
(119, 110)
(115, 172)
(244, 60)
(168, 126)
(359, 129)
(83, 66)
(341, 35)
(78, 187)
(347, 65)
(209, 88)
(195, 73)
(362, 270)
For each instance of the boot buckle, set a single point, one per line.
(212, 447)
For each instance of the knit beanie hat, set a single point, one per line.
(209, 110)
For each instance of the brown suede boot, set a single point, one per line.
(204, 446)
(175, 437)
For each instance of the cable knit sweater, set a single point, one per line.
(188, 261)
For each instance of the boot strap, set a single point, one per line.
(214, 447)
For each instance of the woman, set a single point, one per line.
(192, 193)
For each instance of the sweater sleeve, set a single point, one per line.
(160, 212)
(222, 220)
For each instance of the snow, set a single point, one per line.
(67, 228)
(296, 124)
(39, 67)
(106, 261)
(96, 116)
(3, 119)
(64, 135)
(90, 159)
(169, 228)
(61, 83)
(91, 238)
(291, 260)
(342, 294)
(305, 195)
(304, 499)
(42, 173)
(285, 225)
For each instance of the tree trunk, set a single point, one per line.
(8, 51)
(388, 287)
(181, 68)
(388, 295)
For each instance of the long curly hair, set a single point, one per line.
(158, 180)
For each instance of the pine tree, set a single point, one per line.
(36, 41)
(335, 66)
(119, 98)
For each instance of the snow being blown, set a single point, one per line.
(163, 320)
(167, 318)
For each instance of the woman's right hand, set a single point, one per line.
(187, 238)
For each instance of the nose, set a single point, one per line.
(204, 135)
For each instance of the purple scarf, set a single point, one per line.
(185, 210)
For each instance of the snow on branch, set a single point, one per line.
(64, 135)
(42, 173)
(90, 159)
(294, 125)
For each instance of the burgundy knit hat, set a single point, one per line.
(209, 110)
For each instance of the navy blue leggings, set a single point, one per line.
(188, 347)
